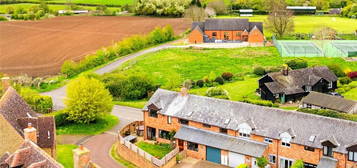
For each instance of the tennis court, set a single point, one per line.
(303, 48)
(348, 48)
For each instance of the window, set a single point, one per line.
(308, 148)
(206, 125)
(272, 159)
(327, 151)
(183, 121)
(223, 130)
(192, 146)
(268, 140)
(164, 134)
(330, 85)
(169, 121)
(285, 163)
(352, 156)
(307, 88)
(153, 113)
(214, 34)
(244, 135)
(285, 144)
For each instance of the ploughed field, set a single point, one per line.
(40, 47)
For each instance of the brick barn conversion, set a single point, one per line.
(233, 133)
(227, 30)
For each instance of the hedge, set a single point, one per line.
(124, 47)
(38, 103)
(260, 102)
(330, 113)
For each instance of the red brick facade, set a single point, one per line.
(255, 36)
(294, 152)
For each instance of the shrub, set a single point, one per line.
(298, 164)
(345, 80)
(162, 7)
(128, 87)
(87, 99)
(3, 18)
(242, 166)
(260, 102)
(259, 71)
(227, 76)
(38, 103)
(329, 113)
(297, 63)
(273, 69)
(219, 80)
(262, 162)
(217, 92)
(60, 118)
(337, 70)
(200, 83)
(239, 77)
(352, 74)
(188, 84)
(69, 68)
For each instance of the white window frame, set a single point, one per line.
(283, 158)
(268, 140)
(271, 160)
(330, 85)
(352, 156)
(244, 130)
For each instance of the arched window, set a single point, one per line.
(244, 130)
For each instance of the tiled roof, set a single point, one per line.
(227, 24)
(221, 141)
(296, 79)
(269, 122)
(10, 139)
(31, 156)
(331, 102)
(19, 114)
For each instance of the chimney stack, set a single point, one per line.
(81, 157)
(5, 81)
(286, 70)
(184, 91)
(30, 133)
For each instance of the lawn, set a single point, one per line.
(26, 6)
(156, 150)
(132, 103)
(64, 155)
(351, 94)
(309, 23)
(103, 124)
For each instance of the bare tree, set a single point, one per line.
(219, 6)
(195, 13)
(325, 33)
(280, 20)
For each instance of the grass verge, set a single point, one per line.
(64, 154)
(100, 125)
(156, 150)
(119, 159)
(132, 103)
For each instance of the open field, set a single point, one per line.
(40, 47)
(26, 6)
(86, 2)
(309, 23)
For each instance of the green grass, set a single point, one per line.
(88, 2)
(26, 6)
(351, 94)
(102, 124)
(309, 23)
(156, 150)
(132, 103)
(119, 159)
(64, 155)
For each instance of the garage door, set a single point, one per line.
(213, 154)
(235, 159)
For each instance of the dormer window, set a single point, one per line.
(327, 151)
(352, 153)
(153, 113)
(327, 147)
(285, 139)
(244, 130)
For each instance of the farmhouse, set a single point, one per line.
(316, 100)
(292, 85)
(226, 30)
(27, 124)
(232, 133)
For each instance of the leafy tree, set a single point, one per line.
(280, 20)
(345, 80)
(217, 92)
(298, 164)
(262, 162)
(162, 7)
(335, 68)
(87, 99)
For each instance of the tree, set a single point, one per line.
(280, 20)
(321, 4)
(297, 63)
(298, 164)
(262, 162)
(195, 13)
(87, 99)
(219, 6)
(325, 33)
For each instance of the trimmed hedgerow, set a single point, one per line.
(330, 113)
(124, 47)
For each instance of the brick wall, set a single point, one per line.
(195, 37)
(133, 157)
(255, 36)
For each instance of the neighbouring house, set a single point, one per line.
(302, 9)
(227, 30)
(292, 85)
(316, 100)
(21, 117)
(245, 12)
(335, 11)
(232, 133)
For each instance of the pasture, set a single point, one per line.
(40, 47)
(310, 23)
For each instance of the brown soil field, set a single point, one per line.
(40, 47)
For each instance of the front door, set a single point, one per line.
(151, 133)
(180, 144)
(213, 155)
